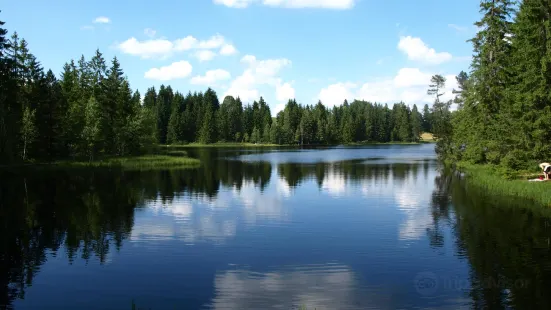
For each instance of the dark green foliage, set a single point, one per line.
(89, 111)
(503, 112)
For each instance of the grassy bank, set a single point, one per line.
(225, 144)
(158, 161)
(493, 181)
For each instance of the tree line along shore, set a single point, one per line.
(89, 111)
(502, 119)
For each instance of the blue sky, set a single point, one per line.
(382, 51)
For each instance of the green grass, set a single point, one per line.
(137, 162)
(493, 182)
(225, 144)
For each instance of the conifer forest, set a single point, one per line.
(500, 114)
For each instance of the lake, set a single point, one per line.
(375, 227)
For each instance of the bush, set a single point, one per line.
(514, 160)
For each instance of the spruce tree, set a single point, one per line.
(416, 123)
(531, 71)
(487, 106)
(28, 130)
(91, 130)
(10, 110)
(426, 119)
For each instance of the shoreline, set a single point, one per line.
(253, 145)
(172, 156)
(492, 182)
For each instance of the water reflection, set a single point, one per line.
(313, 287)
(263, 230)
(507, 246)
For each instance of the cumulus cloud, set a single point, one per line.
(258, 72)
(205, 55)
(102, 20)
(146, 49)
(176, 70)
(149, 32)
(162, 48)
(284, 92)
(211, 77)
(335, 94)
(417, 50)
(409, 86)
(228, 50)
(291, 4)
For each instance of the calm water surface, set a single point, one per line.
(335, 228)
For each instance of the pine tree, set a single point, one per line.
(437, 85)
(111, 95)
(426, 119)
(416, 123)
(50, 118)
(10, 110)
(266, 134)
(487, 105)
(28, 130)
(531, 73)
(72, 110)
(462, 83)
(91, 131)
(173, 135)
(255, 137)
(208, 128)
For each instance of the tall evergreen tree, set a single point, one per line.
(485, 121)
(462, 84)
(416, 121)
(426, 119)
(91, 131)
(531, 74)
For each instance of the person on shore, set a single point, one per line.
(546, 167)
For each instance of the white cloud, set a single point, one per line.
(87, 27)
(228, 50)
(335, 94)
(185, 44)
(214, 42)
(409, 85)
(162, 48)
(284, 92)
(146, 49)
(408, 77)
(292, 4)
(258, 72)
(417, 50)
(176, 70)
(205, 55)
(149, 32)
(102, 20)
(235, 3)
(211, 77)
